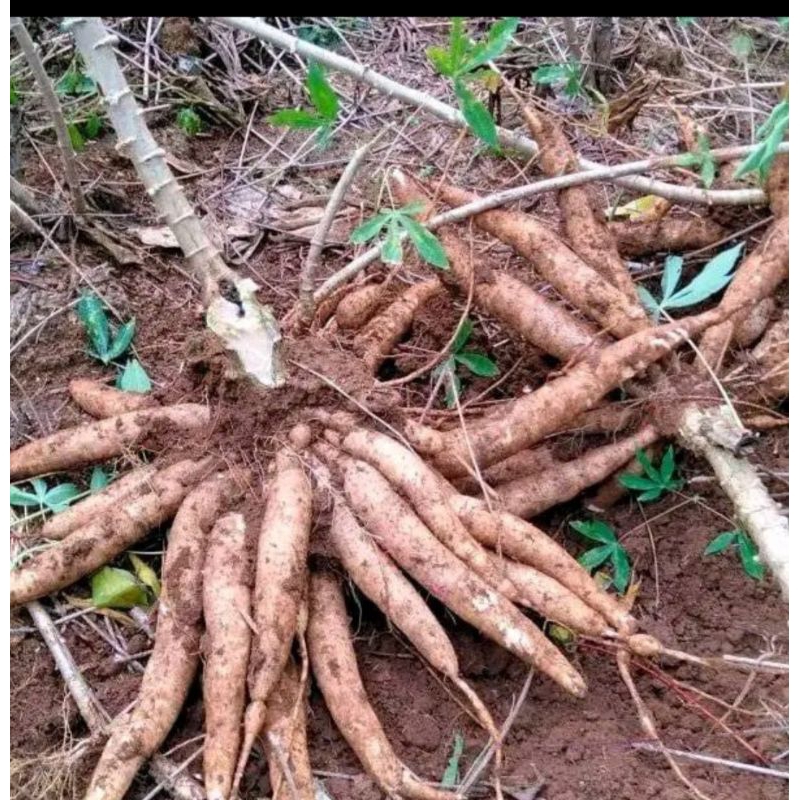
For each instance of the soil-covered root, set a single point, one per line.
(87, 549)
(404, 469)
(377, 576)
(333, 661)
(384, 331)
(751, 327)
(280, 584)
(101, 400)
(638, 238)
(532, 417)
(572, 277)
(290, 773)
(410, 543)
(176, 649)
(537, 492)
(514, 537)
(357, 308)
(777, 186)
(90, 509)
(771, 356)
(226, 609)
(522, 310)
(758, 276)
(550, 599)
(526, 462)
(589, 237)
(98, 441)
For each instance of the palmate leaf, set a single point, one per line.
(450, 776)
(647, 465)
(324, 99)
(59, 497)
(462, 337)
(392, 248)
(146, 574)
(593, 558)
(622, 568)
(477, 116)
(595, 529)
(716, 274)
(24, 499)
(631, 481)
(651, 494)
(134, 378)
(440, 58)
(296, 118)
(370, 229)
(548, 74)
(426, 244)
(122, 340)
(673, 267)
(98, 481)
(92, 314)
(478, 364)
(497, 40)
(648, 301)
(720, 543)
(117, 588)
(748, 554)
(667, 465)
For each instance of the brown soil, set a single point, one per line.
(571, 749)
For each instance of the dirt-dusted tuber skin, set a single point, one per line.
(383, 331)
(409, 542)
(527, 544)
(176, 650)
(637, 238)
(89, 548)
(532, 417)
(536, 492)
(572, 277)
(226, 607)
(333, 661)
(101, 400)
(98, 441)
(358, 306)
(286, 734)
(771, 355)
(91, 508)
(279, 587)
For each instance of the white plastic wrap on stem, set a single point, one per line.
(247, 327)
(525, 145)
(759, 515)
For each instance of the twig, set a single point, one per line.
(54, 109)
(307, 304)
(450, 115)
(723, 762)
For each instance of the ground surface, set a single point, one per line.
(572, 749)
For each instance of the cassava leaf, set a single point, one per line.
(593, 558)
(117, 588)
(647, 465)
(392, 249)
(720, 543)
(462, 337)
(648, 301)
(716, 274)
(369, 229)
(92, 314)
(75, 137)
(93, 125)
(296, 118)
(146, 574)
(667, 465)
(631, 481)
(477, 116)
(478, 364)
(59, 497)
(748, 554)
(323, 97)
(98, 480)
(595, 529)
(427, 245)
(497, 40)
(134, 378)
(122, 340)
(450, 776)
(673, 266)
(25, 499)
(412, 209)
(622, 568)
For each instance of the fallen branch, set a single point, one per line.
(678, 194)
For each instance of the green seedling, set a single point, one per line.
(53, 499)
(75, 82)
(81, 132)
(391, 224)
(714, 276)
(106, 344)
(701, 158)
(326, 107)
(609, 550)
(133, 378)
(685, 22)
(748, 553)
(117, 588)
(656, 480)
(461, 61)
(770, 136)
(566, 76)
(477, 363)
(14, 94)
(189, 121)
(98, 481)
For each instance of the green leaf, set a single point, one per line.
(450, 777)
(648, 301)
(26, 499)
(411, 209)
(463, 334)
(427, 245)
(673, 266)
(459, 45)
(39, 487)
(687, 160)
(784, 22)
(98, 481)
(75, 137)
(708, 169)
(711, 279)
(92, 314)
(685, 21)
(497, 40)
(651, 494)
(771, 147)
(477, 116)
(647, 465)
(667, 465)
(631, 481)
(748, 554)
(720, 543)
(751, 163)
(322, 95)
(622, 568)
(122, 340)
(296, 118)
(548, 74)
(14, 93)
(117, 588)
(742, 46)
(596, 530)
(440, 58)
(189, 121)
(369, 229)
(146, 574)
(392, 248)
(134, 378)
(93, 125)
(593, 558)
(59, 497)
(478, 364)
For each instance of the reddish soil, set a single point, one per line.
(558, 748)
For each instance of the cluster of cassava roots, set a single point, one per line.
(444, 507)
